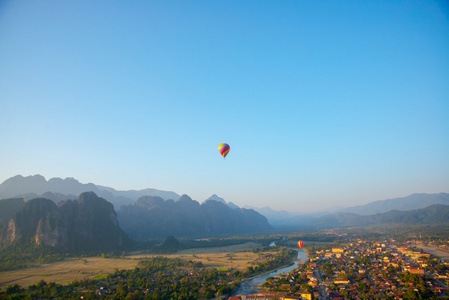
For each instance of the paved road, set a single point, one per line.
(322, 286)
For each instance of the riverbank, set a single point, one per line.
(272, 270)
(252, 285)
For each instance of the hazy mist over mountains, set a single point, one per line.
(134, 203)
(411, 202)
(57, 189)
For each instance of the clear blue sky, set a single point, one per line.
(324, 103)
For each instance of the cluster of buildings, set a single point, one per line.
(376, 270)
(362, 270)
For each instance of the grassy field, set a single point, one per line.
(65, 271)
(76, 269)
(229, 257)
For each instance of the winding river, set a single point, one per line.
(252, 286)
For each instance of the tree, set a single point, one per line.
(411, 294)
(170, 245)
(155, 295)
(41, 284)
(122, 290)
(13, 289)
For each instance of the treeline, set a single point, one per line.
(27, 255)
(171, 244)
(155, 278)
(209, 243)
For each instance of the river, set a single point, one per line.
(252, 286)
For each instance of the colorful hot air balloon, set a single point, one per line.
(224, 149)
(300, 244)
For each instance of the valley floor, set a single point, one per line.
(71, 269)
(65, 271)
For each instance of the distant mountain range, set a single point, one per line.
(58, 189)
(411, 202)
(274, 217)
(436, 214)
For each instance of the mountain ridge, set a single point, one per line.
(152, 216)
(37, 185)
(214, 197)
(410, 202)
(436, 214)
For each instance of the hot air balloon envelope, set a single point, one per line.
(224, 149)
(300, 244)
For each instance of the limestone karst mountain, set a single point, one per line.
(155, 217)
(86, 224)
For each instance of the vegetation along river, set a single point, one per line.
(253, 286)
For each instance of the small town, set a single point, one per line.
(363, 270)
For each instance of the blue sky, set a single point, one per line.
(324, 103)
